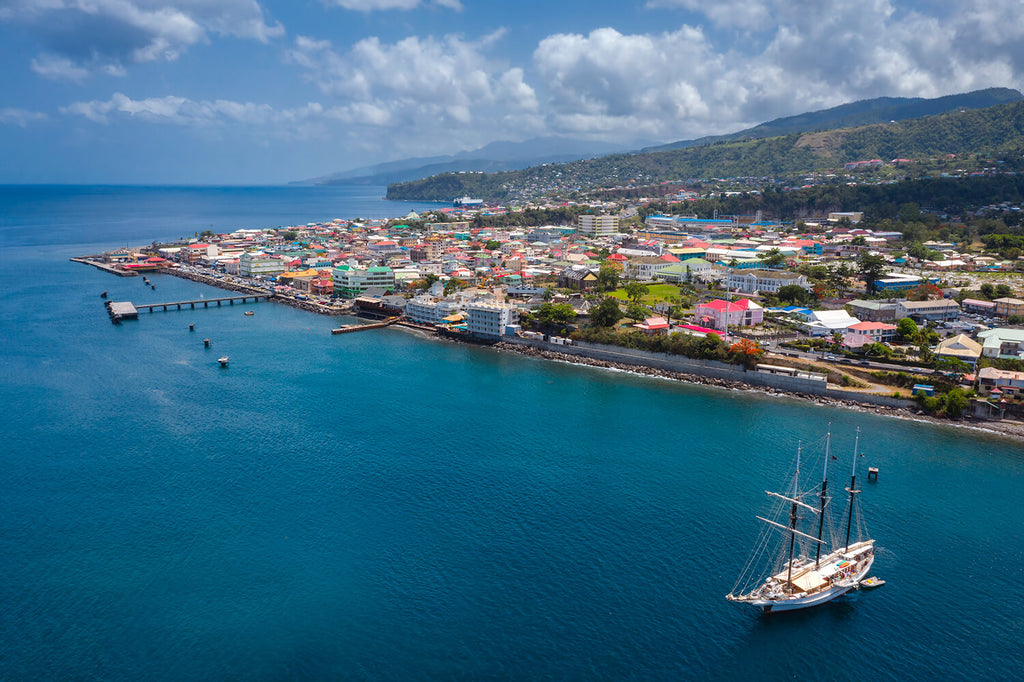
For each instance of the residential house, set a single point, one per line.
(863, 333)
(960, 347)
(1002, 343)
(992, 380)
(578, 278)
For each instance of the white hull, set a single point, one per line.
(864, 551)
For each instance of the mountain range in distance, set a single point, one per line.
(511, 156)
(855, 114)
(494, 157)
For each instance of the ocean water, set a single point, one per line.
(389, 507)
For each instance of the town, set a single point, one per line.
(931, 326)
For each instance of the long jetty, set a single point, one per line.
(231, 300)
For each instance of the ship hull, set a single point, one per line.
(816, 599)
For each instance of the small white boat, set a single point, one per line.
(872, 582)
(249, 313)
(223, 361)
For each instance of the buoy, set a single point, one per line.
(192, 327)
(206, 342)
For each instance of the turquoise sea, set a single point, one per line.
(383, 506)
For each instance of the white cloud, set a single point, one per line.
(182, 111)
(20, 117)
(788, 57)
(374, 5)
(82, 37)
(424, 82)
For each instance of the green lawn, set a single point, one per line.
(655, 294)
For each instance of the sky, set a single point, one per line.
(270, 91)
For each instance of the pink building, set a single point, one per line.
(741, 313)
(862, 333)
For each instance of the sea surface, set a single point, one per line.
(384, 506)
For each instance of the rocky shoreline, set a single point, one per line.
(1004, 428)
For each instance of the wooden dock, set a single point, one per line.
(362, 327)
(206, 302)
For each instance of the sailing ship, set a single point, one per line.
(809, 568)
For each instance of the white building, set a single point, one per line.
(489, 321)
(643, 269)
(427, 309)
(351, 282)
(598, 225)
(260, 265)
(750, 281)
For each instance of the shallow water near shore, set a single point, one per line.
(382, 505)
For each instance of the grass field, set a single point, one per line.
(655, 294)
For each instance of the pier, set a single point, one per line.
(362, 327)
(179, 305)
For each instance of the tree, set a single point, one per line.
(906, 329)
(746, 352)
(637, 312)
(555, 313)
(988, 291)
(290, 235)
(877, 350)
(870, 267)
(430, 278)
(608, 277)
(793, 293)
(956, 402)
(492, 245)
(1003, 291)
(636, 291)
(773, 258)
(606, 314)
(452, 285)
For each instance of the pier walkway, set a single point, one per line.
(362, 327)
(231, 300)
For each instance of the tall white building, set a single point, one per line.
(489, 321)
(598, 225)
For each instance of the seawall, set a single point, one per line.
(699, 371)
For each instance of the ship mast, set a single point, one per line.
(853, 488)
(822, 497)
(793, 518)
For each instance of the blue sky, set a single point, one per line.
(269, 91)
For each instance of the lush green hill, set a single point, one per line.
(993, 130)
(861, 113)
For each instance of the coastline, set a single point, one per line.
(1007, 429)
